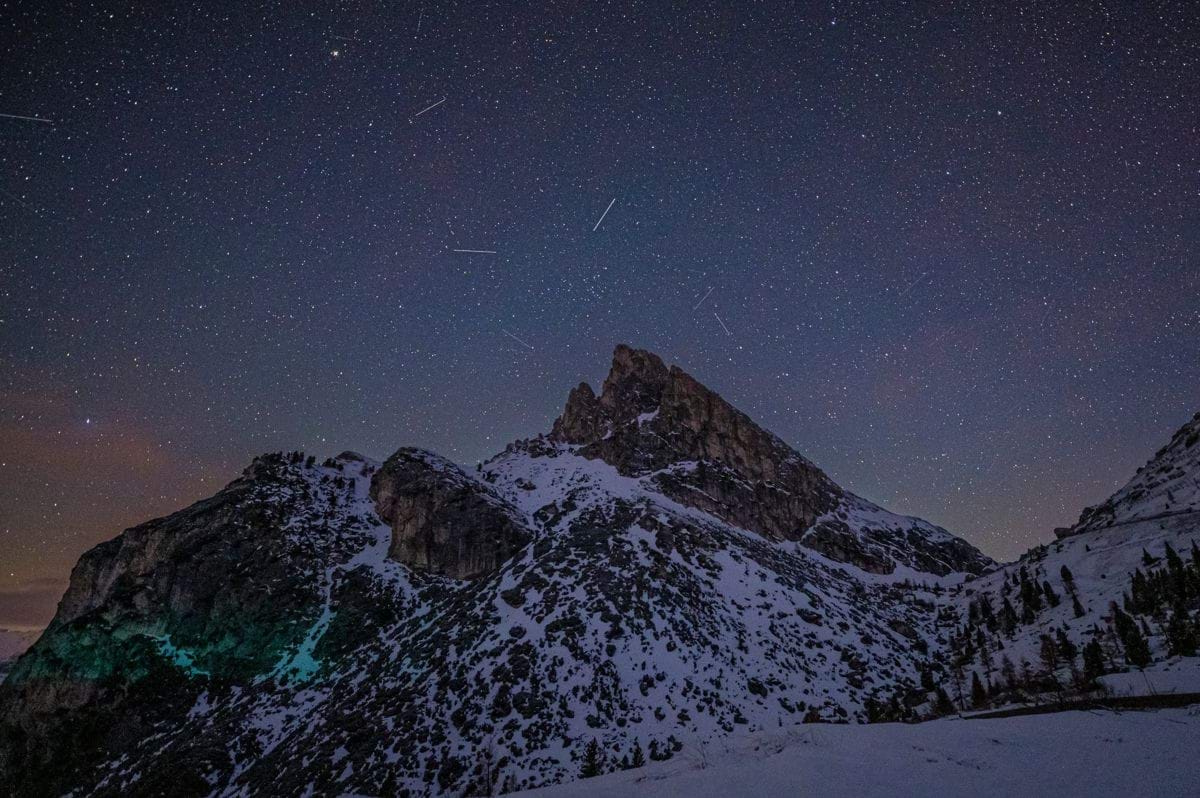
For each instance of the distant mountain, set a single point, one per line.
(656, 571)
(1125, 580)
(13, 643)
(1167, 487)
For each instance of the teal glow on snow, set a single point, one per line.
(180, 657)
(302, 666)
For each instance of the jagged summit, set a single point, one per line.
(653, 418)
(1168, 486)
(659, 422)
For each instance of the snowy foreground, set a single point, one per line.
(1065, 754)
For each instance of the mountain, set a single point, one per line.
(1167, 487)
(655, 572)
(1125, 577)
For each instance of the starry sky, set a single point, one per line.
(946, 250)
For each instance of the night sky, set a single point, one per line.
(947, 252)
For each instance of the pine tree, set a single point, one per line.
(1181, 635)
(1008, 618)
(593, 760)
(943, 705)
(1076, 607)
(986, 612)
(1066, 649)
(1068, 579)
(979, 696)
(1137, 650)
(1093, 661)
(1178, 574)
(1026, 673)
(1048, 652)
(1009, 672)
(1051, 597)
(985, 656)
(638, 759)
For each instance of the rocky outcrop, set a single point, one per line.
(837, 541)
(653, 418)
(443, 521)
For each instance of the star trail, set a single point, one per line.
(949, 253)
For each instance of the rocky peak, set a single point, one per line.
(703, 452)
(634, 386)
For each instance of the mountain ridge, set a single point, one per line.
(657, 571)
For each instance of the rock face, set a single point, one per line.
(443, 521)
(658, 569)
(650, 417)
(216, 593)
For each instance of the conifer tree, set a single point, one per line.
(943, 705)
(1076, 607)
(1181, 634)
(1051, 597)
(979, 696)
(1178, 575)
(1137, 650)
(593, 760)
(1048, 652)
(1009, 672)
(1093, 661)
(638, 759)
(1066, 649)
(1008, 618)
(1068, 579)
(986, 612)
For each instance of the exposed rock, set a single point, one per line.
(834, 539)
(217, 591)
(443, 521)
(650, 417)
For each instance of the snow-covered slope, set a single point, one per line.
(1094, 754)
(1168, 487)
